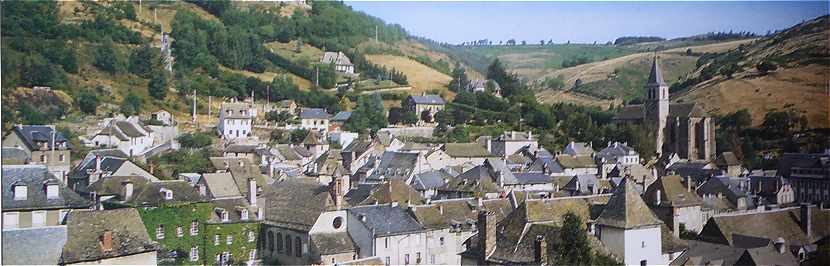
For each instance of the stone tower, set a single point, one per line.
(657, 104)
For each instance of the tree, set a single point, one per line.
(143, 61)
(87, 102)
(572, 246)
(298, 135)
(459, 81)
(106, 58)
(766, 66)
(369, 114)
(158, 85)
(689, 52)
(195, 140)
(345, 104)
(131, 104)
(409, 118)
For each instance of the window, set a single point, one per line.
(11, 220)
(298, 247)
(287, 245)
(20, 192)
(252, 255)
(244, 213)
(194, 254)
(406, 259)
(279, 242)
(179, 231)
(43, 158)
(194, 228)
(387, 261)
(52, 191)
(225, 217)
(337, 222)
(61, 158)
(38, 218)
(418, 258)
(386, 242)
(643, 263)
(229, 239)
(160, 231)
(226, 256)
(644, 243)
(168, 194)
(251, 236)
(441, 240)
(216, 240)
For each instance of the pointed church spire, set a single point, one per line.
(656, 76)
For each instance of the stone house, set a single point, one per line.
(43, 145)
(235, 120)
(484, 85)
(314, 119)
(33, 197)
(127, 135)
(675, 204)
(108, 237)
(341, 62)
(92, 170)
(425, 106)
(629, 229)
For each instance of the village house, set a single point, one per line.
(235, 120)
(125, 134)
(108, 238)
(616, 154)
(393, 190)
(427, 183)
(484, 85)
(314, 119)
(629, 228)
(338, 120)
(511, 142)
(33, 197)
(397, 165)
(680, 128)
(341, 62)
(395, 235)
(809, 175)
(461, 153)
(358, 154)
(91, 170)
(162, 116)
(571, 165)
(675, 204)
(425, 106)
(733, 190)
(43, 145)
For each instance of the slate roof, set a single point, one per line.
(221, 185)
(333, 243)
(328, 162)
(396, 165)
(430, 180)
(427, 99)
(130, 129)
(108, 164)
(359, 146)
(673, 193)
(296, 203)
(582, 161)
(630, 112)
(129, 236)
(241, 148)
(116, 153)
(616, 150)
(727, 159)
(730, 187)
(338, 58)
(30, 134)
(579, 149)
(696, 170)
(341, 116)
(234, 207)
(655, 77)
(705, 253)
(150, 193)
(482, 83)
(627, 210)
(236, 109)
(473, 150)
(477, 179)
(34, 177)
(314, 113)
(766, 255)
(784, 223)
(586, 181)
(13, 155)
(532, 178)
(386, 220)
(241, 170)
(393, 190)
(33, 246)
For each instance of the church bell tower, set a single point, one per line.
(657, 104)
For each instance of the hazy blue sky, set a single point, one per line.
(456, 22)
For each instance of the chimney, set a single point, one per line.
(486, 234)
(128, 190)
(529, 135)
(97, 163)
(441, 209)
(337, 192)
(252, 191)
(657, 197)
(152, 168)
(689, 184)
(489, 145)
(676, 225)
(541, 249)
(806, 221)
(106, 241)
(780, 245)
(512, 134)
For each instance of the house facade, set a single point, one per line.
(33, 197)
(425, 106)
(235, 120)
(44, 145)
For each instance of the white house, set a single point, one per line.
(162, 116)
(341, 62)
(314, 119)
(127, 135)
(512, 141)
(629, 229)
(235, 120)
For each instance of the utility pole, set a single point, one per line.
(317, 77)
(376, 33)
(194, 106)
(210, 107)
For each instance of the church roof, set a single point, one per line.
(626, 209)
(656, 76)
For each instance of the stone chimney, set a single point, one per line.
(806, 221)
(128, 190)
(676, 226)
(512, 134)
(336, 189)
(486, 234)
(441, 209)
(541, 248)
(529, 135)
(106, 241)
(252, 191)
(780, 245)
(97, 163)
(689, 184)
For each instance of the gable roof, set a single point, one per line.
(394, 190)
(673, 193)
(627, 210)
(221, 185)
(314, 113)
(236, 110)
(784, 223)
(342, 116)
(427, 99)
(338, 58)
(579, 149)
(35, 177)
(580, 161)
(30, 134)
(386, 219)
(430, 180)
(129, 235)
(33, 246)
(615, 150)
(296, 203)
(472, 149)
(333, 243)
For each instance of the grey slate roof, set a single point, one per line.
(342, 116)
(34, 177)
(30, 134)
(129, 236)
(395, 165)
(314, 113)
(532, 178)
(338, 58)
(108, 164)
(427, 99)
(296, 203)
(221, 185)
(626, 209)
(33, 246)
(616, 150)
(387, 220)
(13, 155)
(333, 243)
(430, 180)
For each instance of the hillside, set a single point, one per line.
(623, 77)
(799, 84)
(421, 77)
(535, 61)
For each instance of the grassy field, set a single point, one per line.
(534, 61)
(306, 55)
(420, 77)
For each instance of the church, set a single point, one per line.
(681, 128)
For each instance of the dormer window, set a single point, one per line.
(179, 231)
(52, 191)
(43, 158)
(225, 216)
(244, 214)
(20, 192)
(168, 194)
(160, 231)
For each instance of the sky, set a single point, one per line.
(586, 22)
